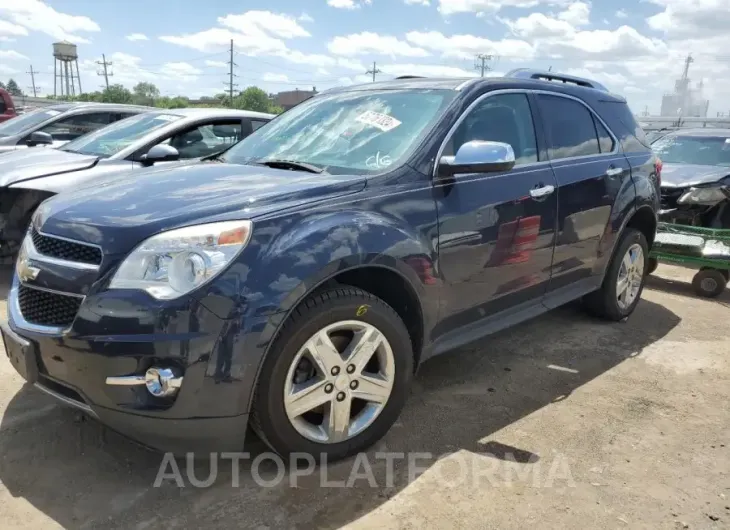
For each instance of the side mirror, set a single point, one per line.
(39, 138)
(160, 153)
(478, 157)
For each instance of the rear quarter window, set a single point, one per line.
(621, 120)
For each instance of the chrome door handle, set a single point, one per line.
(537, 193)
(614, 171)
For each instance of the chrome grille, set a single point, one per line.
(65, 250)
(44, 308)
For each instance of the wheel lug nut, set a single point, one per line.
(341, 396)
(350, 368)
(329, 388)
(335, 370)
(353, 385)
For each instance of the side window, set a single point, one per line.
(570, 127)
(70, 128)
(605, 141)
(256, 124)
(501, 118)
(121, 115)
(205, 140)
(3, 107)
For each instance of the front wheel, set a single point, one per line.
(624, 280)
(709, 283)
(336, 378)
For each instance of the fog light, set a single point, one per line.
(162, 382)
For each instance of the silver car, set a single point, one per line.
(29, 176)
(55, 125)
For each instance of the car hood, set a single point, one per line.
(118, 216)
(26, 164)
(684, 175)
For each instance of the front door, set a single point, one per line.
(496, 230)
(590, 172)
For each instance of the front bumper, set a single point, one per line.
(209, 413)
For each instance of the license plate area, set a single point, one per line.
(21, 354)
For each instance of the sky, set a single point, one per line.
(636, 48)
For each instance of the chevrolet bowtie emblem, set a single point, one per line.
(26, 272)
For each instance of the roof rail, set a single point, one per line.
(527, 73)
(410, 77)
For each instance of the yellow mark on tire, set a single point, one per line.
(361, 310)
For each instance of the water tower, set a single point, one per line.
(65, 57)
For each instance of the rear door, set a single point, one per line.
(591, 172)
(7, 109)
(496, 230)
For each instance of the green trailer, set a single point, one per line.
(705, 249)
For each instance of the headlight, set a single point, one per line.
(708, 196)
(174, 263)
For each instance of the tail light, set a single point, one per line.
(658, 164)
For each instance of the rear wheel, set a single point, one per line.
(651, 266)
(336, 378)
(709, 283)
(624, 280)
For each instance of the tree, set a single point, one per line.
(253, 98)
(145, 93)
(2, 85)
(13, 88)
(116, 94)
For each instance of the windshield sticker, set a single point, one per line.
(381, 121)
(376, 161)
(167, 117)
(53, 112)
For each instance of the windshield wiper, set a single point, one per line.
(290, 164)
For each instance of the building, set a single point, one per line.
(292, 98)
(685, 101)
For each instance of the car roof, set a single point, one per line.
(479, 84)
(198, 112)
(700, 131)
(92, 106)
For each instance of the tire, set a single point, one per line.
(709, 283)
(651, 266)
(604, 302)
(270, 417)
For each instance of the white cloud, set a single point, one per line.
(11, 30)
(305, 18)
(137, 37)
(577, 14)
(450, 7)
(466, 46)
(417, 2)
(12, 55)
(685, 19)
(275, 78)
(348, 4)
(217, 38)
(264, 23)
(35, 15)
(180, 70)
(539, 26)
(216, 64)
(129, 70)
(428, 70)
(621, 13)
(368, 43)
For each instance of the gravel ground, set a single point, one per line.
(562, 422)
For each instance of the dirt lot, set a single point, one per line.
(562, 422)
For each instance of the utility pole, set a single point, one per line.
(481, 63)
(33, 87)
(374, 71)
(104, 63)
(231, 75)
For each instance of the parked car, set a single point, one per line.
(28, 177)
(696, 177)
(54, 125)
(296, 282)
(7, 107)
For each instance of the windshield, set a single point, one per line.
(350, 132)
(702, 150)
(113, 138)
(26, 121)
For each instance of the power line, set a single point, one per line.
(33, 86)
(231, 75)
(481, 63)
(374, 71)
(104, 63)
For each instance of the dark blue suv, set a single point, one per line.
(295, 283)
